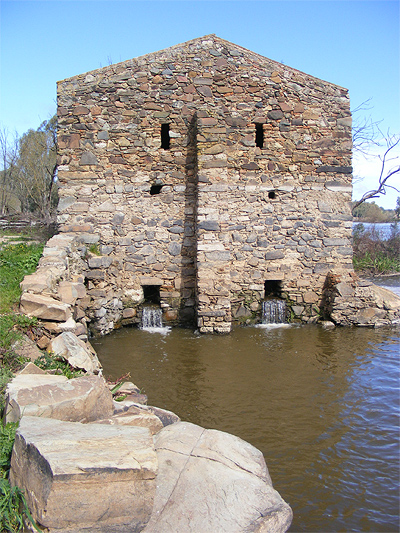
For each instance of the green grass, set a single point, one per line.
(13, 507)
(373, 254)
(377, 264)
(12, 326)
(16, 261)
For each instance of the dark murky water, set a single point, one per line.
(323, 406)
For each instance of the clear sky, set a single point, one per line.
(353, 43)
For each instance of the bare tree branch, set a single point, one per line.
(392, 141)
(367, 138)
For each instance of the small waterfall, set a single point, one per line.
(151, 317)
(274, 311)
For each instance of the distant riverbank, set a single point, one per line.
(382, 229)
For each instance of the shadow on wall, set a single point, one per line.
(189, 245)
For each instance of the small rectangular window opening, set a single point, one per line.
(165, 138)
(272, 288)
(259, 135)
(151, 294)
(155, 189)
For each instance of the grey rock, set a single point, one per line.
(275, 114)
(103, 135)
(196, 467)
(209, 225)
(85, 477)
(174, 248)
(76, 352)
(82, 399)
(88, 158)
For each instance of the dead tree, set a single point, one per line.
(368, 135)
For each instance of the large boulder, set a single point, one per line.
(83, 399)
(75, 351)
(209, 482)
(85, 477)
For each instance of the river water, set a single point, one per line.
(322, 405)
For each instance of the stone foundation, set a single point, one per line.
(73, 290)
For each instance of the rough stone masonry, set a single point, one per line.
(208, 177)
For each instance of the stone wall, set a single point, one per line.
(202, 172)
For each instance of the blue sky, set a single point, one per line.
(354, 44)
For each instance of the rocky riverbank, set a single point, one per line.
(89, 463)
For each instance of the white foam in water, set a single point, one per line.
(162, 331)
(273, 326)
(152, 320)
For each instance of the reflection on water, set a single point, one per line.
(323, 407)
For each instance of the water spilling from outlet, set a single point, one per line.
(274, 311)
(151, 317)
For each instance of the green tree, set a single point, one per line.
(371, 212)
(37, 169)
(397, 208)
(8, 160)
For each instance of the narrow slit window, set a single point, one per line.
(165, 138)
(259, 135)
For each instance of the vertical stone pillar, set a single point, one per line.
(213, 245)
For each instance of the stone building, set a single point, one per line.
(210, 178)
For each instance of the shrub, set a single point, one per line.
(373, 253)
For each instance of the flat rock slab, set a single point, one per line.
(127, 406)
(37, 282)
(135, 417)
(44, 307)
(210, 481)
(85, 477)
(83, 399)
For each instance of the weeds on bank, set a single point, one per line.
(48, 361)
(16, 261)
(13, 506)
(12, 326)
(373, 253)
(94, 249)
